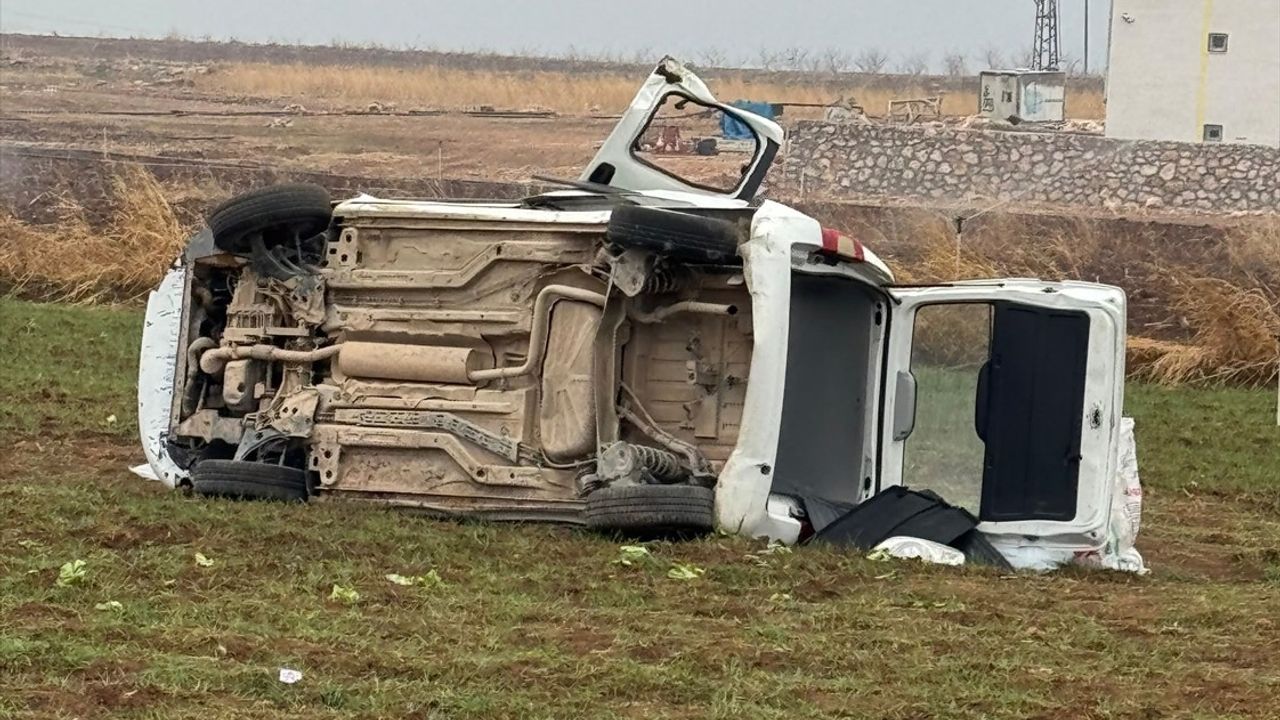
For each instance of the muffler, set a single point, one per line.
(414, 363)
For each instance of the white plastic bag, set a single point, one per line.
(1126, 512)
(913, 548)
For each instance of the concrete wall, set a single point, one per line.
(956, 166)
(1164, 84)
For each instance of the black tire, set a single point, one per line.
(652, 510)
(243, 480)
(278, 212)
(675, 235)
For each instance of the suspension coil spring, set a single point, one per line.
(661, 464)
(662, 280)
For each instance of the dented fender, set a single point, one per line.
(157, 364)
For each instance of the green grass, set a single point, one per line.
(68, 369)
(1222, 440)
(538, 621)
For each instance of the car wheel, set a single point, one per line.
(675, 235)
(244, 480)
(652, 510)
(279, 213)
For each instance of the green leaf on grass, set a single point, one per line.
(72, 573)
(344, 594)
(684, 571)
(629, 555)
(880, 556)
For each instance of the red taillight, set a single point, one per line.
(837, 243)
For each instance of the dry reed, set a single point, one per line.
(75, 261)
(1219, 321)
(569, 93)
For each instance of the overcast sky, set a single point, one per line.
(739, 29)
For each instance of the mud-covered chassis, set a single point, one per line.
(275, 380)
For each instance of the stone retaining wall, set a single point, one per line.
(952, 165)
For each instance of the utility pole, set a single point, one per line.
(1086, 38)
(1047, 49)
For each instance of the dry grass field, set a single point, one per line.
(566, 93)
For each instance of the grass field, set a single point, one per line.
(538, 621)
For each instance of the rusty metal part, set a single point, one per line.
(684, 306)
(697, 461)
(431, 420)
(419, 363)
(538, 333)
(239, 380)
(213, 361)
(253, 309)
(605, 368)
(664, 279)
(208, 425)
(630, 463)
(292, 414)
(629, 271)
(190, 399)
(635, 271)
(566, 411)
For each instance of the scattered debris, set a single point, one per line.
(431, 579)
(913, 548)
(761, 557)
(112, 605)
(913, 110)
(899, 512)
(203, 561)
(289, 676)
(846, 111)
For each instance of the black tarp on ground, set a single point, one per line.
(899, 511)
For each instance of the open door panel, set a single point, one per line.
(1005, 398)
(631, 158)
(1030, 398)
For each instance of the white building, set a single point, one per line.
(1195, 71)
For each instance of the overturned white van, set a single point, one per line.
(637, 352)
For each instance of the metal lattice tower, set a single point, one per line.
(1046, 53)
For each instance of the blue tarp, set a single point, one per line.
(733, 129)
